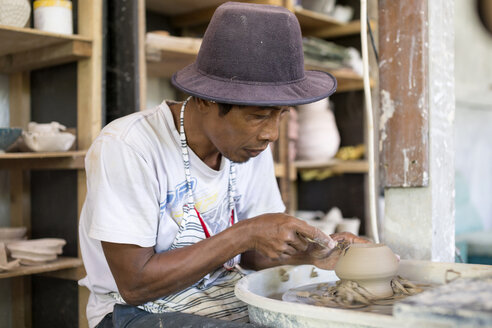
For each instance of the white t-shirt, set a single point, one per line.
(135, 194)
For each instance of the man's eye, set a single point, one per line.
(260, 117)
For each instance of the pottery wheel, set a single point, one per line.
(315, 294)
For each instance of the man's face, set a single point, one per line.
(244, 132)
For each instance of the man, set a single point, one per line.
(182, 196)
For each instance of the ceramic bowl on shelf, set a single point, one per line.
(12, 233)
(39, 142)
(47, 137)
(14, 12)
(8, 136)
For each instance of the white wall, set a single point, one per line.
(159, 89)
(473, 133)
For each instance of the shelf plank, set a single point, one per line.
(312, 20)
(333, 32)
(27, 48)
(280, 171)
(336, 31)
(323, 26)
(59, 264)
(47, 160)
(173, 8)
(337, 165)
(347, 79)
(168, 54)
(194, 12)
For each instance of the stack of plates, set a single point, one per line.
(36, 251)
(5, 265)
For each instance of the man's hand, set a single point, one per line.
(279, 236)
(325, 258)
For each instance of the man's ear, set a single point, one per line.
(203, 106)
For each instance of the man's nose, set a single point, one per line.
(270, 131)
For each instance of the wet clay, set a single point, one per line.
(371, 266)
(350, 295)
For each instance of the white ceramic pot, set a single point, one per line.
(49, 142)
(372, 266)
(47, 137)
(326, 227)
(349, 225)
(53, 127)
(14, 12)
(318, 134)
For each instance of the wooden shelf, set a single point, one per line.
(323, 26)
(59, 264)
(187, 13)
(23, 49)
(166, 55)
(280, 171)
(38, 161)
(336, 165)
(173, 8)
(347, 79)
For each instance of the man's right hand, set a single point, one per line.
(279, 236)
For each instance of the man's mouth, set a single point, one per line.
(254, 151)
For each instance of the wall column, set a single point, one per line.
(416, 39)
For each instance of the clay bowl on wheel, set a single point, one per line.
(372, 266)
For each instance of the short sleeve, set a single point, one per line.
(261, 194)
(122, 194)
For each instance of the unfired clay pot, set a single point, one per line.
(47, 137)
(372, 266)
(319, 138)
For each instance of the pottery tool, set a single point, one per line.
(319, 243)
(341, 245)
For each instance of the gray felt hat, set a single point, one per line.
(252, 55)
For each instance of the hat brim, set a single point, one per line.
(315, 86)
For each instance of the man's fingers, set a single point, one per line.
(351, 238)
(300, 243)
(316, 235)
(289, 250)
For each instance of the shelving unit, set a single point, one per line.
(23, 50)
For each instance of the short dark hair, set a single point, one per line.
(224, 108)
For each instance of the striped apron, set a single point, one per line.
(213, 295)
